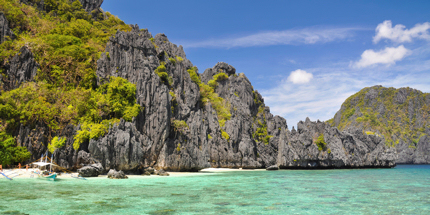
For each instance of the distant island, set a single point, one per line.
(93, 91)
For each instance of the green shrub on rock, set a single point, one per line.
(56, 143)
(179, 125)
(172, 60)
(179, 59)
(220, 77)
(193, 75)
(161, 72)
(225, 135)
(321, 143)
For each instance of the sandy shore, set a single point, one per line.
(23, 173)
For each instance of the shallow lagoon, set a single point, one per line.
(401, 190)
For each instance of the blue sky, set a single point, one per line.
(304, 57)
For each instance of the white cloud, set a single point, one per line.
(287, 37)
(300, 77)
(386, 56)
(335, 84)
(399, 33)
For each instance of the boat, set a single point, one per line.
(47, 175)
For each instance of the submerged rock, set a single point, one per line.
(113, 174)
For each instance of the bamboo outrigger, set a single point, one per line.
(45, 174)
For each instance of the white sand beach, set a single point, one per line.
(23, 173)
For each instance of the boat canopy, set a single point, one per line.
(43, 164)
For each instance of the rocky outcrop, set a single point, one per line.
(20, 69)
(93, 170)
(87, 5)
(39, 4)
(113, 174)
(148, 171)
(5, 32)
(90, 5)
(151, 140)
(35, 138)
(348, 149)
(400, 115)
(418, 155)
(161, 173)
(180, 128)
(255, 138)
(274, 167)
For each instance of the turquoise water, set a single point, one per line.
(402, 190)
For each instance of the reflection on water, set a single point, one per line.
(402, 190)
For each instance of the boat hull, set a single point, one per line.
(51, 177)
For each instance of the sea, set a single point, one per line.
(404, 189)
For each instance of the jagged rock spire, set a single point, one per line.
(5, 31)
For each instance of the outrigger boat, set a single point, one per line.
(45, 174)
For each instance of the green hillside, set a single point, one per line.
(397, 114)
(66, 41)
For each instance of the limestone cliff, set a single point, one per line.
(401, 115)
(255, 138)
(187, 120)
(5, 31)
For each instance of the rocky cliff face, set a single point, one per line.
(402, 116)
(20, 69)
(191, 121)
(39, 4)
(90, 5)
(5, 31)
(348, 149)
(256, 138)
(152, 139)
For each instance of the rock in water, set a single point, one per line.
(161, 173)
(274, 167)
(150, 170)
(93, 170)
(113, 174)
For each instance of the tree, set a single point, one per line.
(9, 151)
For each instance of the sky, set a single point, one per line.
(304, 57)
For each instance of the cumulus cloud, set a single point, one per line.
(300, 77)
(335, 84)
(386, 56)
(399, 33)
(287, 37)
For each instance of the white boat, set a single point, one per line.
(45, 174)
